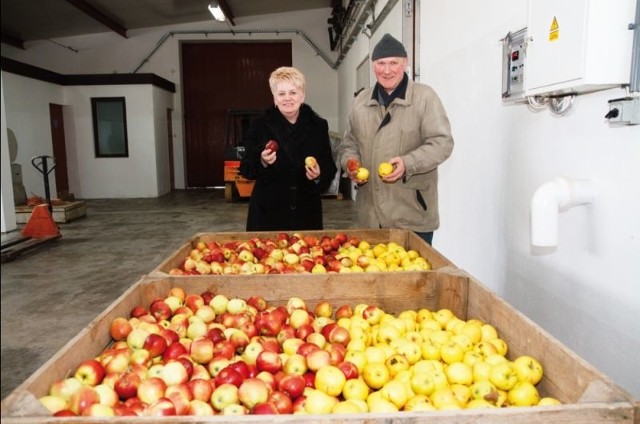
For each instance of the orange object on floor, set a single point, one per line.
(40, 224)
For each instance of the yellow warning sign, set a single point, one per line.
(554, 30)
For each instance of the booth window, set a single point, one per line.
(110, 127)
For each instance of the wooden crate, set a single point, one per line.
(587, 395)
(407, 239)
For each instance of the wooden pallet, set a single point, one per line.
(15, 248)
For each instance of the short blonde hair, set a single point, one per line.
(287, 74)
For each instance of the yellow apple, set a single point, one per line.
(441, 398)
(484, 389)
(451, 352)
(523, 393)
(489, 332)
(528, 369)
(384, 169)
(423, 383)
(549, 401)
(319, 402)
(396, 363)
(395, 392)
(355, 388)
(330, 379)
(375, 374)
(310, 162)
(459, 373)
(503, 375)
(362, 175)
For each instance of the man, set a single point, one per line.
(403, 123)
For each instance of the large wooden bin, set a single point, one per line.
(405, 238)
(587, 395)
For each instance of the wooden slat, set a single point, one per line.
(407, 239)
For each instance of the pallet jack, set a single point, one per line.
(40, 228)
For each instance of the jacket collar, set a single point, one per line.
(401, 95)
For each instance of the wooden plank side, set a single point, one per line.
(567, 414)
(566, 375)
(434, 290)
(407, 239)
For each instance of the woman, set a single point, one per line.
(287, 194)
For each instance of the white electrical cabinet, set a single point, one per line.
(578, 46)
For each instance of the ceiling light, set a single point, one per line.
(216, 11)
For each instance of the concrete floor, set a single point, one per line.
(50, 293)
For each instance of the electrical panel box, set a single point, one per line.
(577, 46)
(513, 59)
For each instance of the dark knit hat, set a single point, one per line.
(388, 47)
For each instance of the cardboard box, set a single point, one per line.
(587, 395)
(407, 239)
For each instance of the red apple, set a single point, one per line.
(310, 379)
(186, 362)
(127, 385)
(339, 335)
(201, 350)
(306, 348)
(173, 372)
(293, 385)
(151, 390)
(318, 359)
(160, 310)
(344, 311)
(224, 348)
(349, 369)
(269, 361)
(242, 368)
(173, 351)
(180, 395)
(253, 391)
(171, 336)
(282, 402)
(120, 328)
(215, 334)
(155, 344)
(161, 407)
(257, 302)
(201, 389)
(229, 375)
(82, 399)
(265, 408)
(137, 311)
(193, 301)
(90, 372)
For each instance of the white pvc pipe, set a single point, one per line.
(549, 200)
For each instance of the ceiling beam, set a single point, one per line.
(227, 11)
(11, 40)
(99, 16)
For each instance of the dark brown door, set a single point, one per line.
(59, 150)
(217, 78)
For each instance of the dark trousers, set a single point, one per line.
(428, 237)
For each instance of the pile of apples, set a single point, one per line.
(298, 253)
(207, 354)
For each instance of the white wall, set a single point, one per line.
(7, 209)
(586, 292)
(27, 114)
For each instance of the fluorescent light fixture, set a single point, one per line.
(216, 11)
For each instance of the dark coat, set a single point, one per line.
(282, 197)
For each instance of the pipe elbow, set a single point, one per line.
(549, 200)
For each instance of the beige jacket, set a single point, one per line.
(419, 132)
